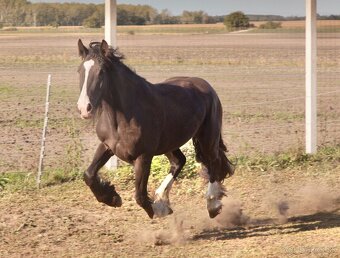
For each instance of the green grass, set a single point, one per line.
(53, 30)
(157, 29)
(329, 29)
(5, 89)
(17, 181)
(258, 116)
(127, 30)
(325, 160)
(297, 159)
(170, 30)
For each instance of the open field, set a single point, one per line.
(219, 28)
(259, 77)
(260, 80)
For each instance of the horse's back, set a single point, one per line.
(189, 82)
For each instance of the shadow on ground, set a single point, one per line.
(268, 227)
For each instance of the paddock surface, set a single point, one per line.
(260, 80)
(67, 221)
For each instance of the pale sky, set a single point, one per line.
(223, 7)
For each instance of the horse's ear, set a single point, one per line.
(104, 47)
(83, 51)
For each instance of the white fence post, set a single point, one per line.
(111, 39)
(42, 150)
(311, 78)
(111, 22)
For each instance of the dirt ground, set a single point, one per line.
(260, 80)
(277, 214)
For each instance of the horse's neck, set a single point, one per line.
(127, 88)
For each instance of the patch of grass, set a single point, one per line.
(25, 123)
(3, 182)
(72, 165)
(281, 116)
(328, 157)
(324, 29)
(51, 30)
(6, 89)
(59, 176)
(160, 167)
(60, 59)
(15, 181)
(290, 159)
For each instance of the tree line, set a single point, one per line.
(25, 13)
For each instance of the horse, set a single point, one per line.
(137, 120)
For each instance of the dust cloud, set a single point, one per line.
(310, 199)
(306, 200)
(173, 235)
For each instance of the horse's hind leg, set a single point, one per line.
(161, 205)
(211, 152)
(103, 191)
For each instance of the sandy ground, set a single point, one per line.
(276, 214)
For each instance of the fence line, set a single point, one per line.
(279, 100)
(42, 151)
(237, 105)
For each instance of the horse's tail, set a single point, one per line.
(226, 168)
(222, 167)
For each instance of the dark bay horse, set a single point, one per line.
(136, 120)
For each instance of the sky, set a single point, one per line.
(223, 7)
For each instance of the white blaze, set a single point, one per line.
(84, 100)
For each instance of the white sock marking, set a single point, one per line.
(165, 187)
(214, 190)
(161, 205)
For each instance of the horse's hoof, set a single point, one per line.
(150, 212)
(161, 209)
(214, 207)
(114, 201)
(213, 213)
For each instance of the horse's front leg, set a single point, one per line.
(161, 205)
(102, 190)
(142, 171)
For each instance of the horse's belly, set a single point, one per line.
(177, 136)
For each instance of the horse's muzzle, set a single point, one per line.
(85, 113)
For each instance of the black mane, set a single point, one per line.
(112, 56)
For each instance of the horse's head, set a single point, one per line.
(91, 72)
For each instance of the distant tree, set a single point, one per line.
(13, 12)
(93, 21)
(270, 25)
(196, 17)
(236, 21)
(165, 17)
(128, 14)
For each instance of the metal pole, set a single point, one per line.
(43, 138)
(111, 22)
(311, 79)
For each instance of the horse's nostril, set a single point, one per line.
(89, 107)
